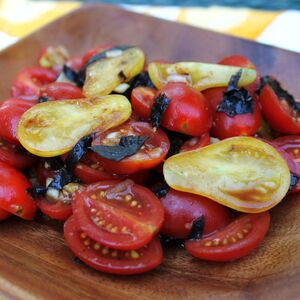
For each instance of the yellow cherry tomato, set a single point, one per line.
(54, 127)
(200, 76)
(243, 173)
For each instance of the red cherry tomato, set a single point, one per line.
(13, 193)
(57, 210)
(196, 142)
(278, 113)
(110, 260)
(15, 156)
(121, 215)
(11, 111)
(75, 63)
(27, 83)
(61, 91)
(214, 97)
(4, 214)
(188, 111)
(150, 155)
(246, 124)
(244, 62)
(236, 240)
(181, 209)
(142, 99)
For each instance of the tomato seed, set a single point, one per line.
(97, 246)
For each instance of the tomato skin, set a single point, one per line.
(244, 62)
(241, 237)
(196, 142)
(121, 263)
(94, 51)
(277, 115)
(13, 193)
(214, 97)
(188, 111)
(142, 99)
(4, 214)
(11, 111)
(27, 83)
(61, 91)
(181, 209)
(246, 124)
(58, 210)
(141, 214)
(15, 156)
(156, 148)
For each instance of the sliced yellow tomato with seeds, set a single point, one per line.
(243, 173)
(54, 127)
(200, 76)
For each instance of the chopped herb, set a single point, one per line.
(43, 99)
(127, 146)
(62, 178)
(197, 229)
(160, 189)
(159, 106)
(281, 93)
(77, 152)
(77, 77)
(37, 192)
(294, 180)
(141, 79)
(236, 101)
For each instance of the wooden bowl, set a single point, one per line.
(35, 263)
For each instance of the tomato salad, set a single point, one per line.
(129, 154)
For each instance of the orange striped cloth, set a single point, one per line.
(20, 17)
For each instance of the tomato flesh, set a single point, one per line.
(243, 173)
(58, 210)
(111, 260)
(152, 153)
(120, 215)
(236, 240)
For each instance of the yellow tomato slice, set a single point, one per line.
(200, 76)
(54, 127)
(243, 173)
(103, 76)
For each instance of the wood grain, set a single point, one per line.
(34, 260)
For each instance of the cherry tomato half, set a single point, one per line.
(13, 193)
(181, 209)
(61, 91)
(196, 142)
(11, 111)
(188, 111)
(15, 156)
(110, 260)
(236, 240)
(142, 99)
(121, 215)
(150, 155)
(278, 112)
(27, 83)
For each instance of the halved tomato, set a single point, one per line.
(243, 173)
(118, 214)
(111, 260)
(151, 154)
(196, 142)
(236, 240)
